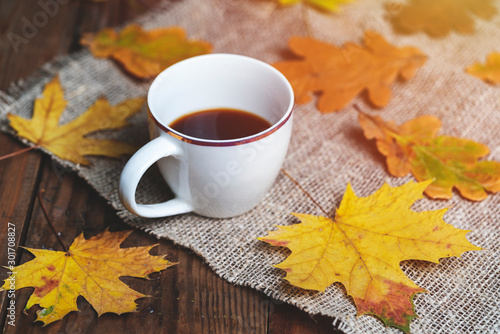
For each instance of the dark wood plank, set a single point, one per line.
(33, 37)
(286, 318)
(18, 178)
(208, 304)
(18, 175)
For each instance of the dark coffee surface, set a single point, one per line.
(220, 124)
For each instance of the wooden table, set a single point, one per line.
(186, 298)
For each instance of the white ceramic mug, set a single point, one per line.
(213, 178)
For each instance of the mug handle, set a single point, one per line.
(134, 170)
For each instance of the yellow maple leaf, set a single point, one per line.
(450, 162)
(91, 269)
(145, 53)
(331, 5)
(490, 71)
(363, 246)
(340, 74)
(69, 141)
(439, 17)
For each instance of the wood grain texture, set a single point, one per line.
(186, 298)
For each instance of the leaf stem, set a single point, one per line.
(355, 105)
(306, 192)
(10, 155)
(48, 219)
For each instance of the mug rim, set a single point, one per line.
(227, 142)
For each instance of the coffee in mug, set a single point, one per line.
(220, 124)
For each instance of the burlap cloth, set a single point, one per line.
(326, 152)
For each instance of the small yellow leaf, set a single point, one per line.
(330, 5)
(363, 246)
(91, 269)
(69, 141)
(144, 53)
(490, 71)
(439, 17)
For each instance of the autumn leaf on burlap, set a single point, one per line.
(144, 53)
(330, 5)
(363, 246)
(69, 141)
(91, 269)
(490, 71)
(439, 17)
(450, 162)
(340, 74)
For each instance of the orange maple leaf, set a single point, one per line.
(363, 246)
(439, 17)
(450, 162)
(341, 74)
(91, 268)
(490, 71)
(69, 141)
(144, 53)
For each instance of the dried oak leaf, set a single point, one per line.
(340, 74)
(69, 141)
(363, 246)
(144, 53)
(450, 162)
(91, 269)
(330, 5)
(439, 17)
(490, 71)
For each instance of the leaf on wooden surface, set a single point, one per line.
(450, 162)
(340, 74)
(329, 5)
(91, 268)
(69, 141)
(490, 71)
(439, 18)
(363, 246)
(144, 53)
